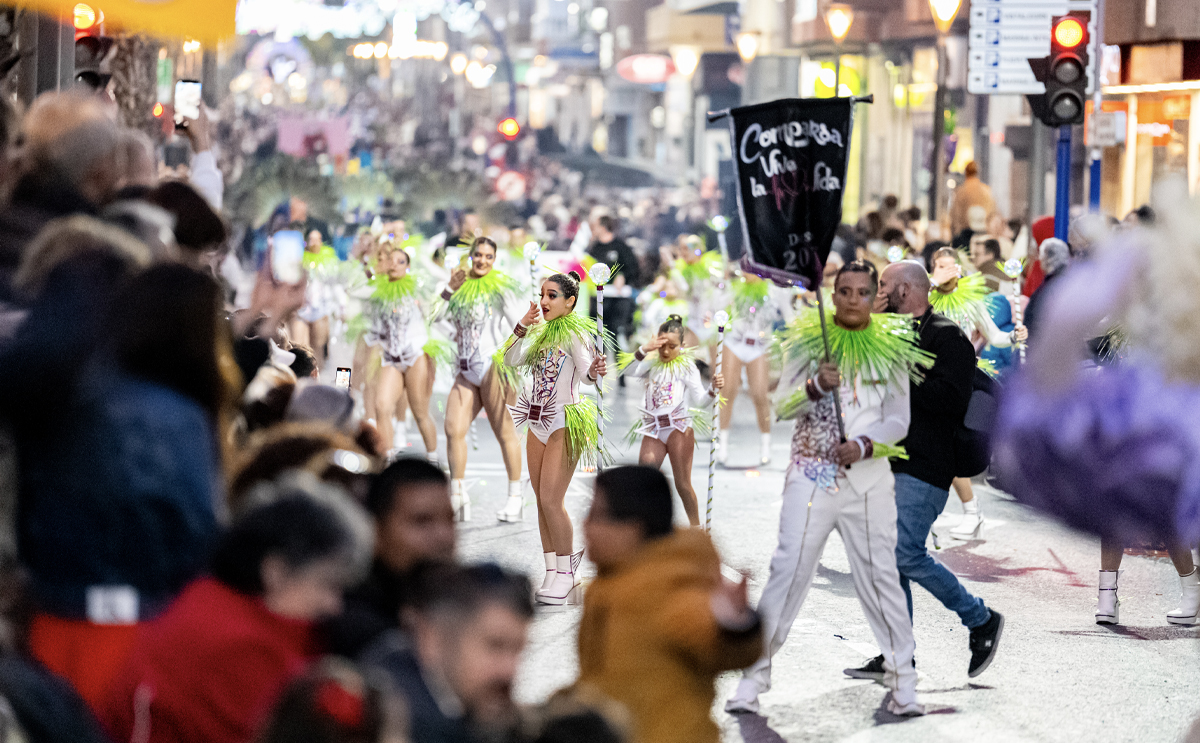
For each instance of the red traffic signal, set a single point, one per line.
(1069, 33)
(509, 128)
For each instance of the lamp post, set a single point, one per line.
(747, 45)
(838, 17)
(944, 12)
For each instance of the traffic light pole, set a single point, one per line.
(1062, 183)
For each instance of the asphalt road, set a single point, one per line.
(1057, 677)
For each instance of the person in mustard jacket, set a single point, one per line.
(659, 622)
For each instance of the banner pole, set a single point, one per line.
(837, 397)
(722, 319)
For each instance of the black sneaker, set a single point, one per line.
(983, 643)
(872, 670)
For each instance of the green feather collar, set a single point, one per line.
(325, 257)
(884, 351)
(686, 357)
(966, 298)
(491, 288)
(747, 294)
(393, 291)
(707, 268)
(561, 332)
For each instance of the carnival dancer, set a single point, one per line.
(843, 484)
(557, 347)
(701, 273)
(756, 306)
(324, 298)
(397, 310)
(481, 305)
(964, 300)
(667, 423)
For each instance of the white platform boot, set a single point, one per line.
(514, 507)
(1190, 605)
(460, 500)
(1108, 606)
(564, 588)
(551, 570)
(972, 521)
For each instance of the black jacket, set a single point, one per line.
(370, 609)
(939, 402)
(618, 254)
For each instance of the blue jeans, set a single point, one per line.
(918, 505)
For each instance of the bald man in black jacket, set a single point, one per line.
(939, 403)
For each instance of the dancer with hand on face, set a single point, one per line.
(482, 306)
(843, 483)
(666, 426)
(556, 347)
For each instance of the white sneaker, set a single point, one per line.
(912, 709)
(745, 699)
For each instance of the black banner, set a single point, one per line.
(790, 157)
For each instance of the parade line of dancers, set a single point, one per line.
(872, 450)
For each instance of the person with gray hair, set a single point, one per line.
(1055, 256)
(939, 402)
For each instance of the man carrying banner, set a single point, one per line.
(843, 482)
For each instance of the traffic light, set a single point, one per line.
(509, 128)
(92, 48)
(1064, 72)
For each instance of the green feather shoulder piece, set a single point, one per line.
(884, 351)
(965, 301)
(492, 288)
(747, 294)
(561, 332)
(686, 357)
(390, 292)
(707, 268)
(324, 258)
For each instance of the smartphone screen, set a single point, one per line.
(187, 99)
(287, 254)
(341, 378)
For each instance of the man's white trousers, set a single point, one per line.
(866, 522)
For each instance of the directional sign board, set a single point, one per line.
(1004, 34)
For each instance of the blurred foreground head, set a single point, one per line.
(632, 505)
(469, 628)
(316, 448)
(336, 702)
(72, 137)
(414, 521)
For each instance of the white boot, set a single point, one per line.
(972, 521)
(432, 457)
(745, 699)
(764, 448)
(564, 588)
(551, 570)
(722, 445)
(514, 507)
(1108, 606)
(460, 501)
(1190, 605)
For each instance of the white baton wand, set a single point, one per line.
(600, 274)
(1013, 268)
(722, 319)
(532, 251)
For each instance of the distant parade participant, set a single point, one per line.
(324, 298)
(964, 300)
(843, 484)
(397, 312)
(667, 423)
(701, 274)
(481, 305)
(556, 347)
(756, 307)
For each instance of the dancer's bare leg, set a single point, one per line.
(416, 380)
(496, 400)
(462, 405)
(555, 471)
(682, 448)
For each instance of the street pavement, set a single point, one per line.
(1057, 677)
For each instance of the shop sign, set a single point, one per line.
(646, 69)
